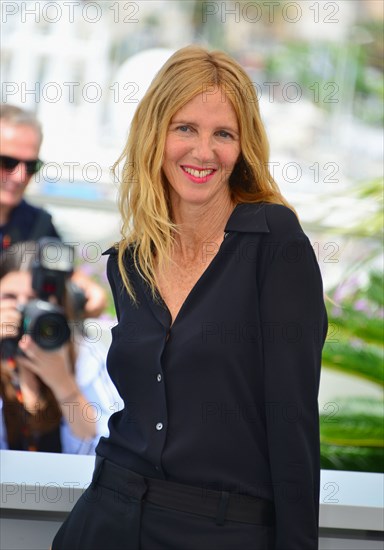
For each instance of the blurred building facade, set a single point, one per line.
(61, 59)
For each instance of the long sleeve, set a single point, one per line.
(294, 325)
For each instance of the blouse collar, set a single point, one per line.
(245, 218)
(248, 218)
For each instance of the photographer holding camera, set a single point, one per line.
(56, 395)
(20, 140)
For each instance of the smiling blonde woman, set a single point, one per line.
(221, 323)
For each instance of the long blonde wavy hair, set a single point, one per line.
(147, 225)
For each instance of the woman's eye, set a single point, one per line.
(8, 296)
(183, 128)
(224, 134)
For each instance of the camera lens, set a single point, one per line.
(50, 331)
(46, 324)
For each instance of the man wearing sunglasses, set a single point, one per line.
(20, 141)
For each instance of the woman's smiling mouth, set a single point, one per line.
(198, 175)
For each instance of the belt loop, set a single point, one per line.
(222, 508)
(97, 471)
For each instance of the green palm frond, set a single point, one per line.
(365, 362)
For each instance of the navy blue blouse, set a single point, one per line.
(226, 398)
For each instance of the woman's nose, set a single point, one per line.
(22, 300)
(204, 149)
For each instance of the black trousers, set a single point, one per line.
(107, 517)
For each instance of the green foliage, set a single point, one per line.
(352, 438)
(352, 458)
(364, 362)
(358, 422)
(370, 194)
(350, 66)
(355, 336)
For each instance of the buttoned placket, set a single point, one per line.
(160, 425)
(161, 312)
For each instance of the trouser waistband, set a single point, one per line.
(219, 505)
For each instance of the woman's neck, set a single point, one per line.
(200, 226)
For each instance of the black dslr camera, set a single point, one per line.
(43, 320)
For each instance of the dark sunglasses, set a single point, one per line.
(10, 163)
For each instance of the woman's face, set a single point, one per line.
(18, 286)
(201, 150)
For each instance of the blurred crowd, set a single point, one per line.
(55, 392)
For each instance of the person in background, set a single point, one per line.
(221, 324)
(20, 141)
(56, 400)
